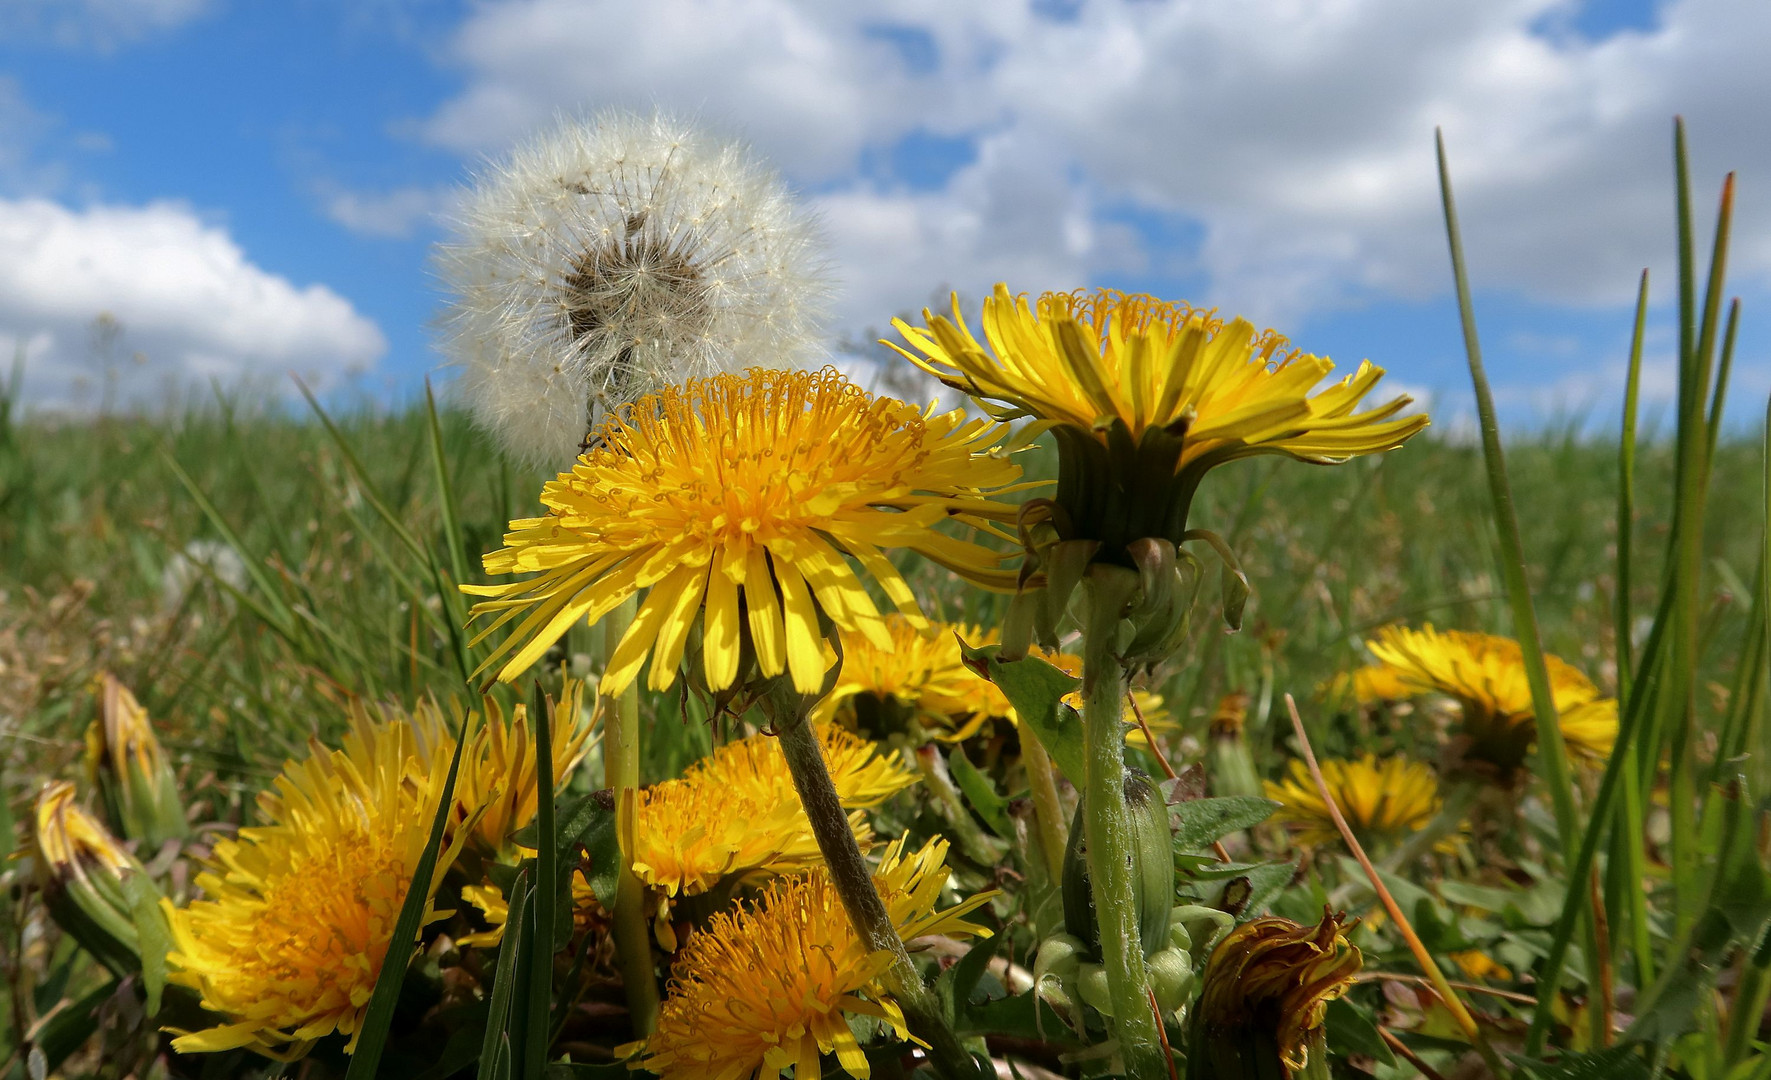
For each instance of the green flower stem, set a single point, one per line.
(853, 880)
(1048, 812)
(1107, 822)
(621, 774)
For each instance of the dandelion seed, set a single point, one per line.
(606, 259)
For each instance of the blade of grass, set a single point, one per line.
(372, 1035)
(1550, 973)
(547, 857)
(1626, 495)
(453, 538)
(1552, 756)
(495, 1048)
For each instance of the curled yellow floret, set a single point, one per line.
(1087, 359)
(766, 988)
(1486, 675)
(1383, 799)
(299, 913)
(748, 505)
(1266, 989)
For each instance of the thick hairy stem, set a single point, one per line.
(1107, 824)
(621, 774)
(853, 880)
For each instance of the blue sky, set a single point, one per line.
(251, 189)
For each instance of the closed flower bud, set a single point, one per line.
(1267, 987)
(95, 889)
(126, 761)
(1152, 877)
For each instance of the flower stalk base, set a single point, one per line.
(1108, 826)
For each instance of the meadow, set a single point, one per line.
(246, 705)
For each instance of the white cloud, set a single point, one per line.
(392, 214)
(99, 24)
(138, 301)
(1294, 138)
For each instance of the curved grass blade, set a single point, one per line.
(380, 1014)
(547, 858)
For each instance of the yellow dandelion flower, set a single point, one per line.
(1373, 684)
(1384, 800)
(737, 812)
(766, 989)
(1486, 674)
(921, 676)
(746, 497)
(1085, 360)
(125, 760)
(1266, 989)
(1479, 966)
(498, 780)
(299, 913)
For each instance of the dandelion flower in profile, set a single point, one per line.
(770, 987)
(737, 502)
(1384, 800)
(921, 677)
(299, 913)
(1156, 385)
(1485, 674)
(608, 258)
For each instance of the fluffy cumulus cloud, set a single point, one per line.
(132, 304)
(1278, 151)
(100, 24)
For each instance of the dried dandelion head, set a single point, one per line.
(608, 258)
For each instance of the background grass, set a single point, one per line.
(329, 602)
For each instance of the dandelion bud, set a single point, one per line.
(1267, 987)
(130, 768)
(94, 888)
(1152, 877)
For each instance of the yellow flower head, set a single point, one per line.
(1383, 800)
(737, 812)
(1372, 684)
(496, 788)
(1085, 360)
(1486, 674)
(767, 988)
(88, 878)
(922, 676)
(1266, 987)
(745, 497)
(300, 912)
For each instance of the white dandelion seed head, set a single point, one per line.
(608, 258)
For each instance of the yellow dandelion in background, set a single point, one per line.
(1486, 674)
(746, 496)
(1373, 684)
(1384, 800)
(498, 780)
(922, 675)
(299, 913)
(1086, 359)
(769, 988)
(737, 812)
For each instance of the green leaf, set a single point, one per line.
(379, 1016)
(1351, 1031)
(1198, 822)
(69, 1029)
(981, 793)
(536, 1037)
(567, 1070)
(1022, 1016)
(1037, 690)
(955, 985)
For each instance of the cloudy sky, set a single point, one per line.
(217, 189)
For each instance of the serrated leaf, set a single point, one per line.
(1037, 690)
(954, 986)
(1197, 822)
